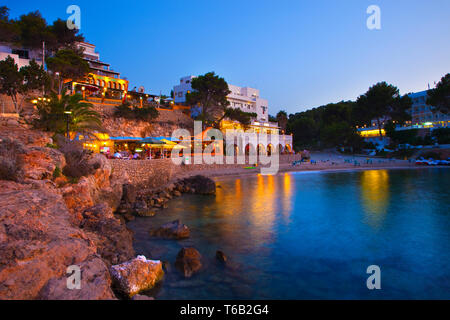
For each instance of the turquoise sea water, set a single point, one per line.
(312, 236)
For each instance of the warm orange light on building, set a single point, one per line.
(371, 133)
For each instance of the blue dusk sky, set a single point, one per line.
(300, 54)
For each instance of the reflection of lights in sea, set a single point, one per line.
(375, 195)
(286, 195)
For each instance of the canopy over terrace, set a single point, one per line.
(161, 144)
(161, 138)
(98, 142)
(126, 144)
(146, 148)
(151, 140)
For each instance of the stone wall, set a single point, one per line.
(151, 174)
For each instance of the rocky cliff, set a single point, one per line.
(48, 224)
(163, 125)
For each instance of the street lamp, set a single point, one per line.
(67, 113)
(59, 84)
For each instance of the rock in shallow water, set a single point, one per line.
(200, 184)
(188, 261)
(172, 230)
(136, 275)
(221, 256)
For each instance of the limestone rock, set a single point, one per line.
(114, 241)
(40, 163)
(142, 297)
(38, 243)
(188, 261)
(172, 230)
(129, 193)
(95, 284)
(221, 256)
(200, 184)
(177, 193)
(136, 275)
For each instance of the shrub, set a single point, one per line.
(56, 173)
(51, 145)
(442, 135)
(78, 160)
(10, 161)
(146, 113)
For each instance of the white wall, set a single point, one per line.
(20, 62)
(6, 51)
(182, 89)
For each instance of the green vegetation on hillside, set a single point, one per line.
(31, 30)
(127, 111)
(55, 112)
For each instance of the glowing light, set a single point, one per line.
(375, 195)
(372, 133)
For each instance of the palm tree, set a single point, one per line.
(54, 112)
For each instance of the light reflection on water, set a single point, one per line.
(375, 195)
(297, 235)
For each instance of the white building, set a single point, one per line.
(21, 56)
(245, 98)
(248, 100)
(97, 66)
(180, 91)
(422, 114)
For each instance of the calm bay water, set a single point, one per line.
(312, 236)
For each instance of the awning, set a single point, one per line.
(169, 142)
(151, 140)
(171, 146)
(118, 139)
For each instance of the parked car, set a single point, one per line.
(443, 162)
(421, 162)
(426, 162)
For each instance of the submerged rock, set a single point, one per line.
(146, 213)
(221, 256)
(177, 193)
(142, 210)
(172, 230)
(136, 275)
(188, 261)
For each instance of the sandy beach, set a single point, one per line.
(321, 161)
